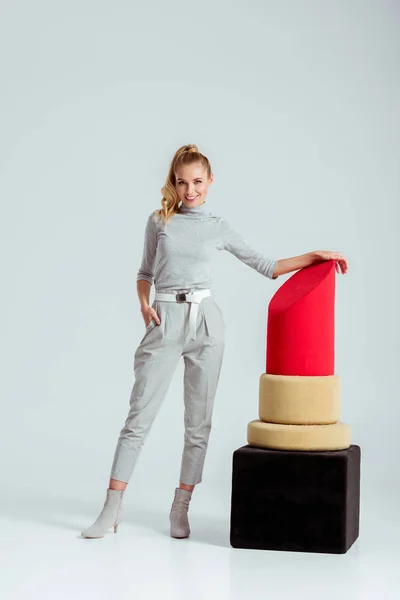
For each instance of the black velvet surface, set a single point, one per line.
(295, 500)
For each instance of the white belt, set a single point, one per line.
(193, 297)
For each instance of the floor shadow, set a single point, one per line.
(50, 510)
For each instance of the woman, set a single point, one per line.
(184, 320)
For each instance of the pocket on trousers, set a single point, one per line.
(214, 320)
(152, 324)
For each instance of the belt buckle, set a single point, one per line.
(180, 297)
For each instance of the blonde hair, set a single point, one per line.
(185, 155)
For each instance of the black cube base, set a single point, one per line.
(295, 500)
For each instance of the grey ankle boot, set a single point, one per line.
(179, 513)
(110, 516)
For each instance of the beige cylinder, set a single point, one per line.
(336, 436)
(299, 400)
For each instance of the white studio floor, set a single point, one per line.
(44, 556)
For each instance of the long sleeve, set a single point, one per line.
(236, 245)
(146, 270)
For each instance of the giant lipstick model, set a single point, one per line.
(296, 484)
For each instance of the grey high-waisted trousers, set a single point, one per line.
(155, 362)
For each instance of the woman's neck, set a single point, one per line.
(201, 209)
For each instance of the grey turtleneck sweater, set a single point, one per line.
(178, 256)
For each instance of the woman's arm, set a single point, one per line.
(234, 243)
(143, 291)
(287, 265)
(146, 269)
(145, 274)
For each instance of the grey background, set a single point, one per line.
(296, 106)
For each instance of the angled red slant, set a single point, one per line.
(301, 323)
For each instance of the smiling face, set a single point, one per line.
(192, 184)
